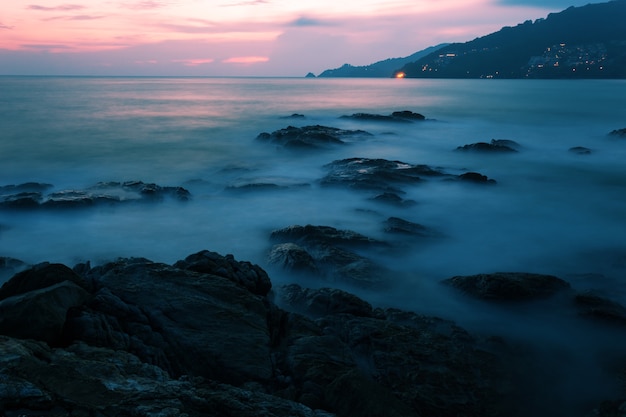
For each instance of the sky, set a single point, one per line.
(239, 37)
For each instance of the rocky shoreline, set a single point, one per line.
(209, 335)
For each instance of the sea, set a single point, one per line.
(552, 211)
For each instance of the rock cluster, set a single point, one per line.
(32, 195)
(310, 136)
(210, 336)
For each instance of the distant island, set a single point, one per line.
(579, 42)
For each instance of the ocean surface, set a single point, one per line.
(552, 211)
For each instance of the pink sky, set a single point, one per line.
(238, 37)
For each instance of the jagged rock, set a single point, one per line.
(495, 147)
(311, 136)
(40, 314)
(184, 321)
(31, 196)
(401, 226)
(375, 174)
(580, 150)
(87, 380)
(321, 235)
(292, 257)
(476, 178)
(618, 132)
(243, 273)
(327, 246)
(397, 116)
(323, 301)
(508, 286)
(40, 276)
(599, 308)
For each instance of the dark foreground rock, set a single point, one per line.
(202, 338)
(508, 286)
(311, 136)
(209, 337)
(31, 195)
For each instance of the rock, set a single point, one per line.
(40, 276)
(506, 142)
(321, 235)
(393, 199)
(508, 286)
(310, 136)
(294, 116)
(327, 247)
(407, 114)
(31, 196)
(487, 147)
(476, 178)
(248, 276)
(83, 380)
(375, 174)
(27, 187)
(405, 227)
(599, 308)
(292, 257)
(580, 150)
(323, 301)
(40, 314)
(618, 132)
(397, 116)
(183, 321)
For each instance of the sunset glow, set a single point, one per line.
(258, 37)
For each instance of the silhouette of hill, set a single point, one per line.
(579, 42)
(383, 69)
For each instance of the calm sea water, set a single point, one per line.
(552, 211)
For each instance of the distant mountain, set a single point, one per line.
(579, 42)
(381, 69)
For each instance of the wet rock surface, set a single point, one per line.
(32, 195)
(309, 137)
(208, 336)
(328, 253)
(375, 174)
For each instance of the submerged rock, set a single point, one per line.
(404, 116)
(508, 286)
(375, 174)
(618, 132)
(599, 308)
(393, 199)
(580, 150)
(476, 178)
(311, 136)
(496, 146)
(329, 253)
(405, 227)
(104, 193)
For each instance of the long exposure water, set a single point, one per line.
(552, 210)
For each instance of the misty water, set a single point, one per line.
(552, 211)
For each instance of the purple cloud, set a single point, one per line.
(3, 26)
(76, 17)
(63, 8)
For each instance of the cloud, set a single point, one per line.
(76, 17)
(64, 8)
(246, 3)
(194, 62)
(545, 4)
(246, 60)
(146, 5)
(3, 26)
